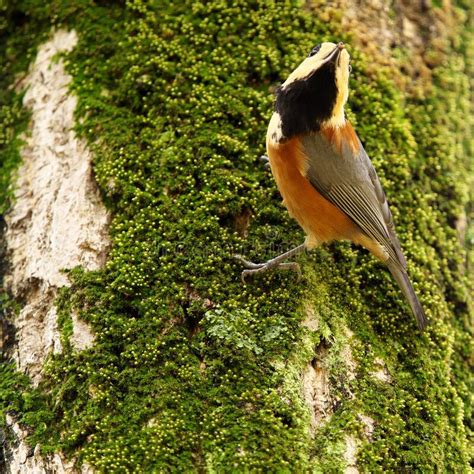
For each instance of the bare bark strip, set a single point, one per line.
(57, 220)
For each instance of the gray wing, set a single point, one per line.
(348, 180)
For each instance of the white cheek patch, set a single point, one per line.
(275, 133)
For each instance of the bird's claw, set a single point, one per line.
(253, 268)
(294, 266)
(248, 263)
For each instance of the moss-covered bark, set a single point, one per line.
(191, 370)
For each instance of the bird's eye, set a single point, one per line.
(314, 50)
(350, 68)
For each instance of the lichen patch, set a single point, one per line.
(82, 335)
(381, 372)
(26, 460)
(311, 321)
(316, 389)
(350, 455)
(368, 425)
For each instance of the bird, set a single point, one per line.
(324, 175)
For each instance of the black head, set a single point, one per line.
(315, 92)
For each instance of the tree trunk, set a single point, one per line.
(129, 177)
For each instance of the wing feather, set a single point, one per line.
(345, 176)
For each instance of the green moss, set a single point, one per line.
(19, 36)
(191, 370)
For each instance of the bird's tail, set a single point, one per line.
(404, 282)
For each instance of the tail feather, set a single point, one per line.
(404, 282)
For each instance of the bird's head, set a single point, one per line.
(315, 93)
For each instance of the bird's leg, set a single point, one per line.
(265, 160)
(277, 262)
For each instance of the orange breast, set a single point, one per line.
(340, 135)
(319, 218)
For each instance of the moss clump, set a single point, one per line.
(191, 370)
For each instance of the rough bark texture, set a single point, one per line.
(57, 220)
(141, 349)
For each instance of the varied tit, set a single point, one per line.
(324, 175)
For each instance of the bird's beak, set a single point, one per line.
(334, 54)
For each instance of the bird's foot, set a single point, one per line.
(254, 268)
